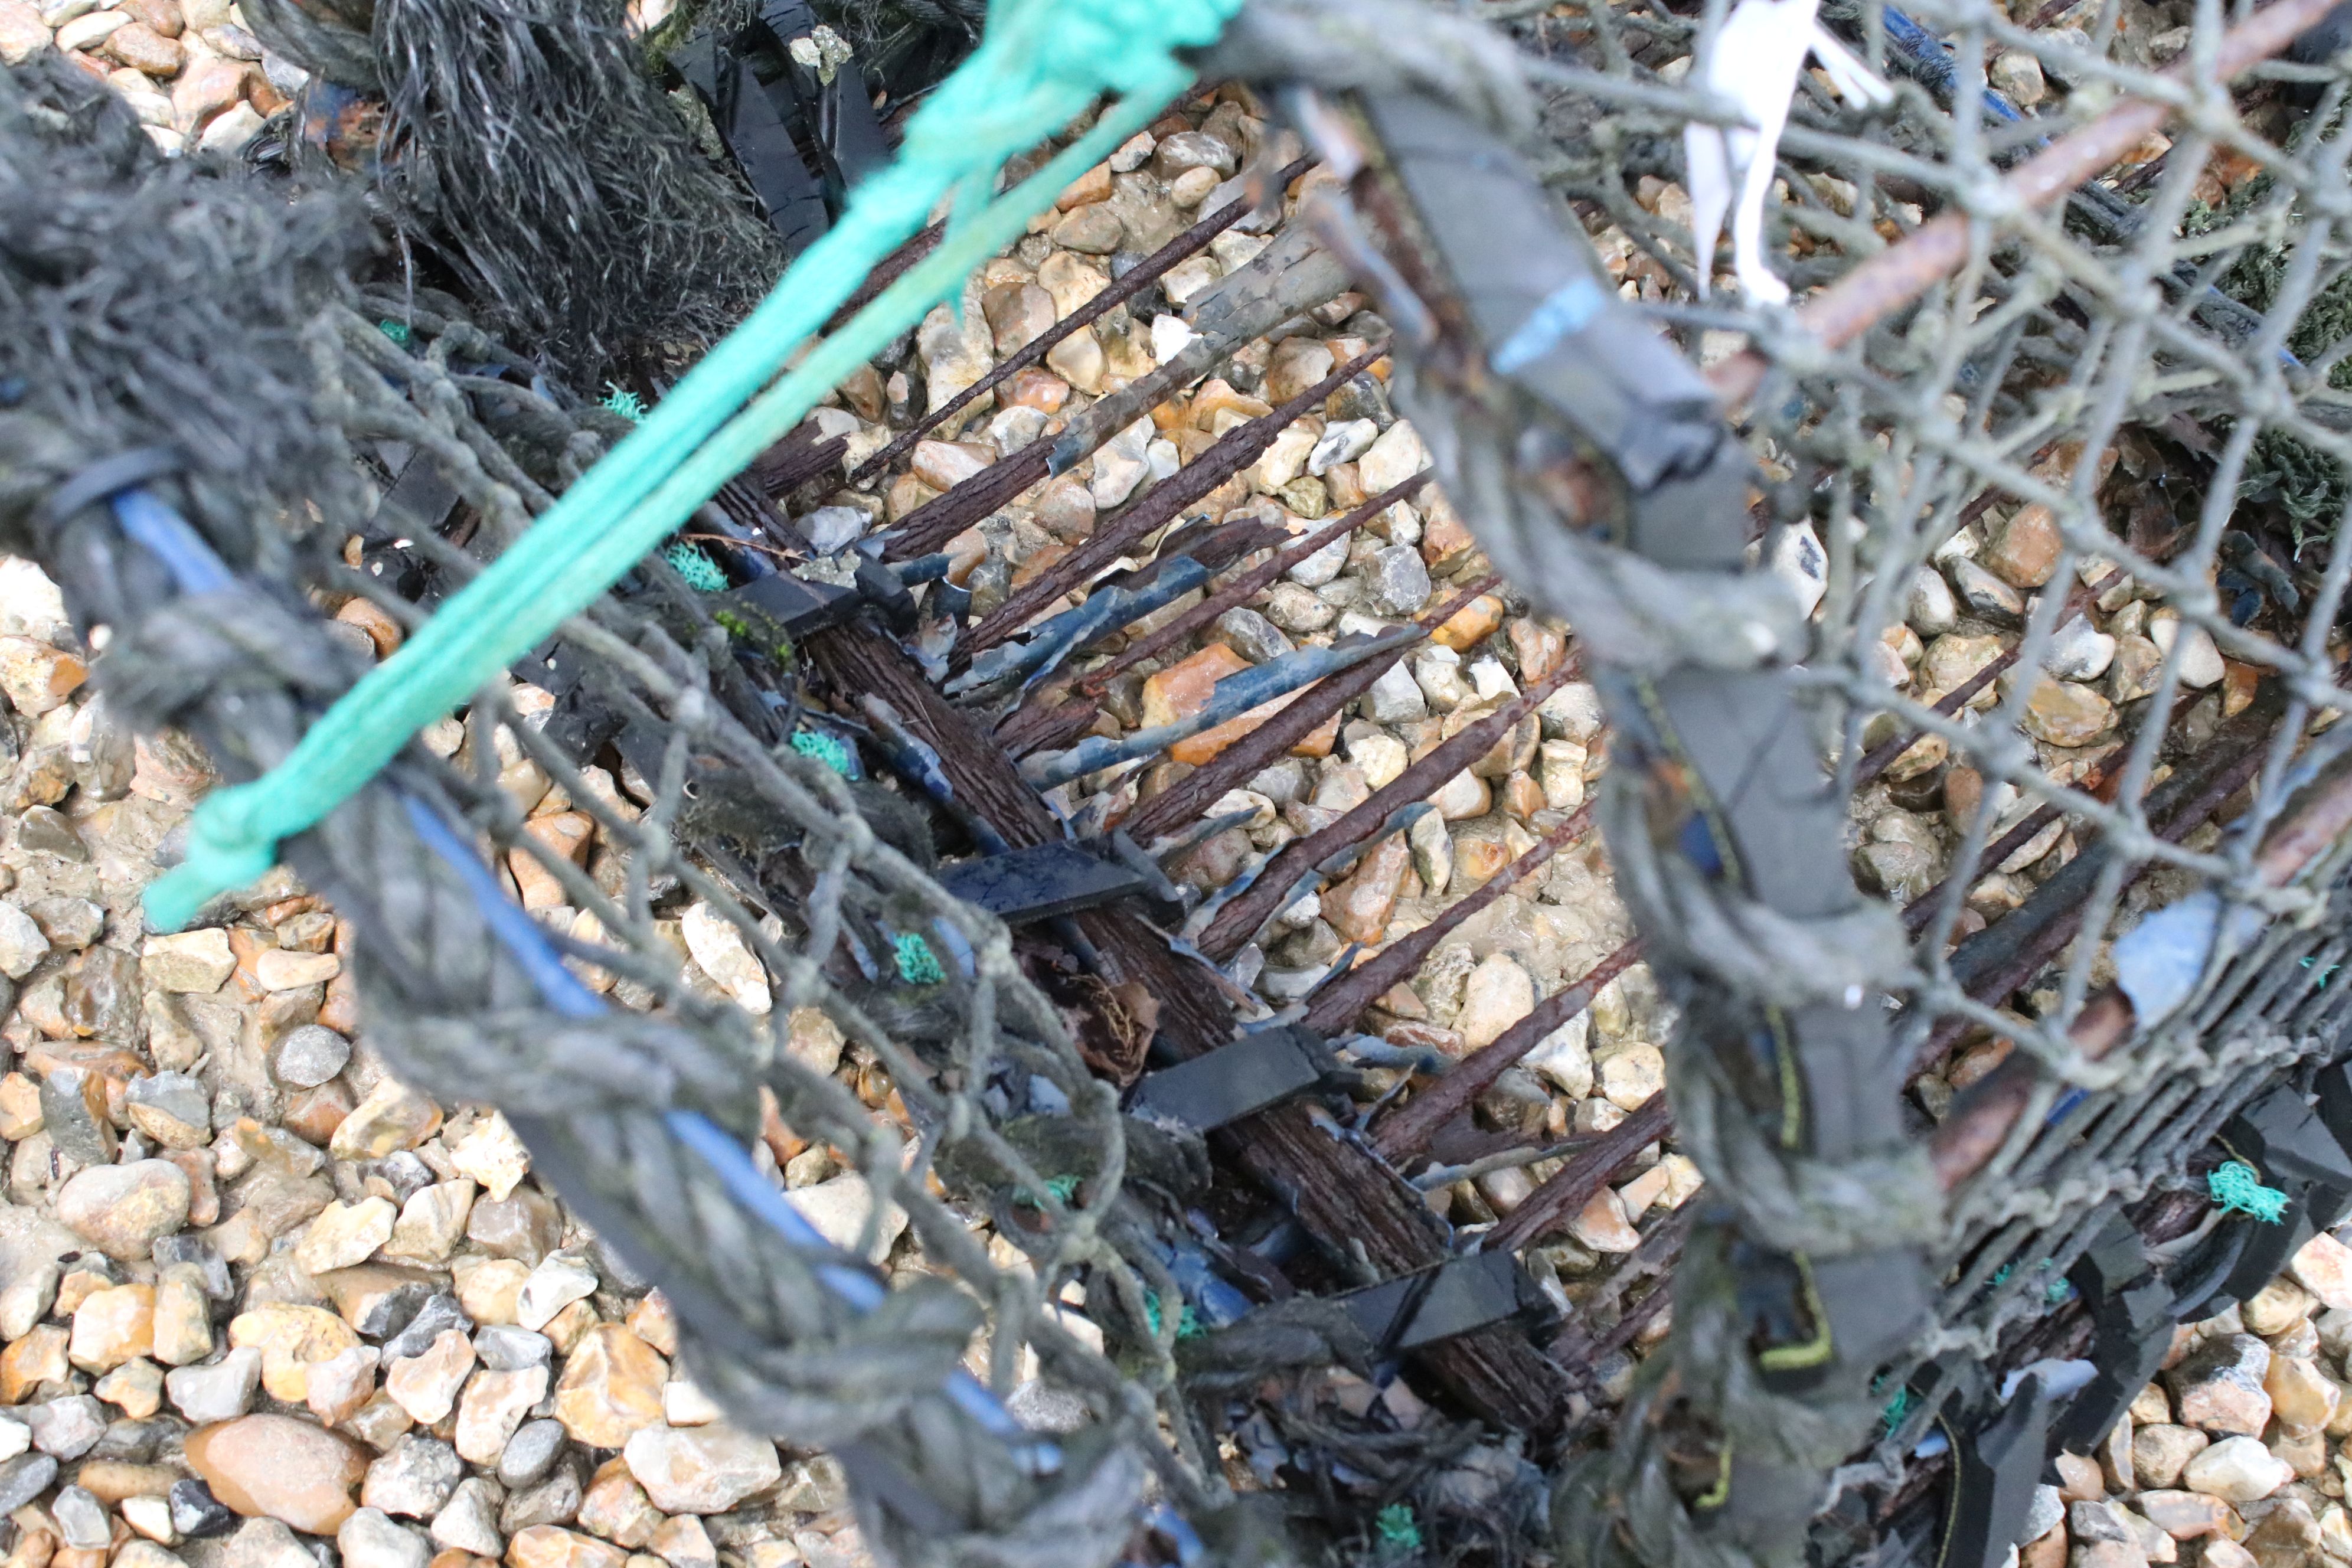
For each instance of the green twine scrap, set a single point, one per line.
(2238, 1188)
(917, 965)
(1039, 65)
(1896, 1409)
(1395, 1527)
(1187, 1322)
(1064, 1188)
(396, 330)
(694, 564)
(620, 400)
(828, 749)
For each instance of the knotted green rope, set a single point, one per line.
(1040, 63)
(2236, 1188)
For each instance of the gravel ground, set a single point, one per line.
(262, 1303)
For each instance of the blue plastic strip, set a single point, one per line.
(1566, 311)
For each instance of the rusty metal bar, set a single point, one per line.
(1574, 1184)
(1140, 277)
(1197, 791)
(1982, 1115)
(1336, 1005)
(1240, 919)
(2038, 931)
(1033, 726)
(1249, 583)
(1407, 1130)
(1936, 248)
(1239, 447)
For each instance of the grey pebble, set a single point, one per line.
(529, 1452)
(309, 1056)
(25, 1478)
(66, 1428)
(505, 1348)
(82, 1518)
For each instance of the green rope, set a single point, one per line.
(823, 748)
(396, 330)
(620, 400)
(1040, 63)
(1395, 1527)
(2237, 1188)
(701, 572)
(918, 964)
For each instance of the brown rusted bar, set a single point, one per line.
(1139, 278)
(1034, 725)
(1238, 448)
(1407, 1130)
(893, 266)
(1983, 1114)
(1339, 1190)
(1936, 248)
(1996, 961)
(1336, 1005)
(1202, 788)
(1250, 582)
(1239, 921)
(1573, 1186)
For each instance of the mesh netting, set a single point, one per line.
(2102, 440)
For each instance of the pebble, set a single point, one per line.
(25, 1478)
(308, 1056)
(468, 1521)
(2079, 651)
(2160, 1452)
(113, 1326)
(1929, 607)
(1631, 1076)
(1499, 994)
(1984, 594)
(219, 1392)
(2024, 552)
(2201, 659)
(1396, 698)
(415, 1478)
(290, 1470)
(700, 1469)
(266, 1543)
(1400, 580)
(1251, 634)
(492, 1406)
(391, 1117)
(560, 1279)
(2238, 1471)
(2065, 714)
(369, 1539)
(123, 1210)
(346, 1234)
(1799, 560)
(490, 1153)
(611, 1387)
(2323, 1265)
(838, 1209)
(194, 962)
(196, 1514)
(551, 1546)
(426, 1386)
(1395, 457)
(531, 1453)
(23, 943)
